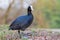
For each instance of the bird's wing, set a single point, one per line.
(19, 21)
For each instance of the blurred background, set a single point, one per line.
(46, 12)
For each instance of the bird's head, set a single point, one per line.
(30, 8)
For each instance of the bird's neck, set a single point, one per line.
(29, 13)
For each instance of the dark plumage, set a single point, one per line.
(22, 22)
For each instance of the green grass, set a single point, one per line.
(6, 34)
(4, 27)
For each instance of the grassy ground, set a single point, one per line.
(29, 34)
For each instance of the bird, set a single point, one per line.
(22, 22)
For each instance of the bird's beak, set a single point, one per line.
(32, 8)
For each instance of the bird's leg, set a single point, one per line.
(19, 33)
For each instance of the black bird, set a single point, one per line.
(22, 22)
